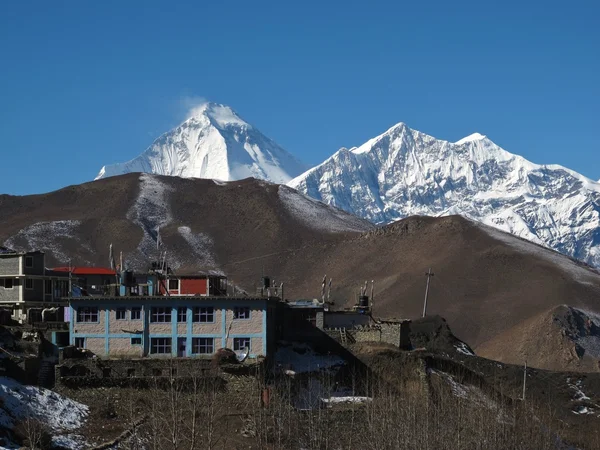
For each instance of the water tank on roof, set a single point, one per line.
(363, 301)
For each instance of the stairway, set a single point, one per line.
(343, 336)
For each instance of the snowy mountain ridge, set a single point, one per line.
(404, 172)
(215, 142)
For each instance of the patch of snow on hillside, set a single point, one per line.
(301, 358)
(579, 394)
(317, 215)
(464, 349)
(49, 237)
(150, 211)
(202, 246)
(20, 402)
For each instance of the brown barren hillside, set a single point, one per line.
(486, 282)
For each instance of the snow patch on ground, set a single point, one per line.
(317, 215)
(464, 349)
(150, 211)
(48, 237)
(301, 358)
(350, 399)
(20, 402)
(202, 246)
(576, 386)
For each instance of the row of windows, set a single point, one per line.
(163, 314)
(200, 346)
(9, 283)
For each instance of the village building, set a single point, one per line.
(27, 288)
(162, 326)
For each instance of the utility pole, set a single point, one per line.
(524, 379)
(429, 274)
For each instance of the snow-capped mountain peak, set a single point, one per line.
(221, 116)
(404, 172)
(471, 138)
(214, 142)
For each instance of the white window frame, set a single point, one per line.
(29, 258)
(179, 314)
(203, 312)
(138, 310)
(160, 343)
(121, 310)
(90, 313)
(203, 343)
(27, 281)
(169, 284)
(236, 343)
(244, 309)
(155, 313)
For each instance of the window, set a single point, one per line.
(241, 343)
(47, 287)
(204, 315)
(87, 314)
(29, 261)
(121, 314)
(160, 346)
(136, 341)
(8, 283)
(80, 342)
(28, 283)
(136, 313)
(173, 285)
(203, 346)
(241, 312)
(182, 314)
(160, 315)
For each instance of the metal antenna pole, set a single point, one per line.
(429, 274)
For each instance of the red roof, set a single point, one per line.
(86, 270)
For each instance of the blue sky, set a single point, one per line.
(83, 84)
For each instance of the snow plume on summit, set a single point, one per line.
(404, 172)
(213, 142)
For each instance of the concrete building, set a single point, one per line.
(160, 326)
(26, 286)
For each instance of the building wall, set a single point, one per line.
(36, 294)
(121, 346)
(38, 265)
(192, 286)
(117, 334)
(342, 319)
(10, 295)
(10, 265)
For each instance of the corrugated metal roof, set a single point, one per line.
(86, 270)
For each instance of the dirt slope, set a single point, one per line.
(486, 282)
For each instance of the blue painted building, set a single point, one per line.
(160, 326)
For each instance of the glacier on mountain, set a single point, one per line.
(215, 142)
(404, 172)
